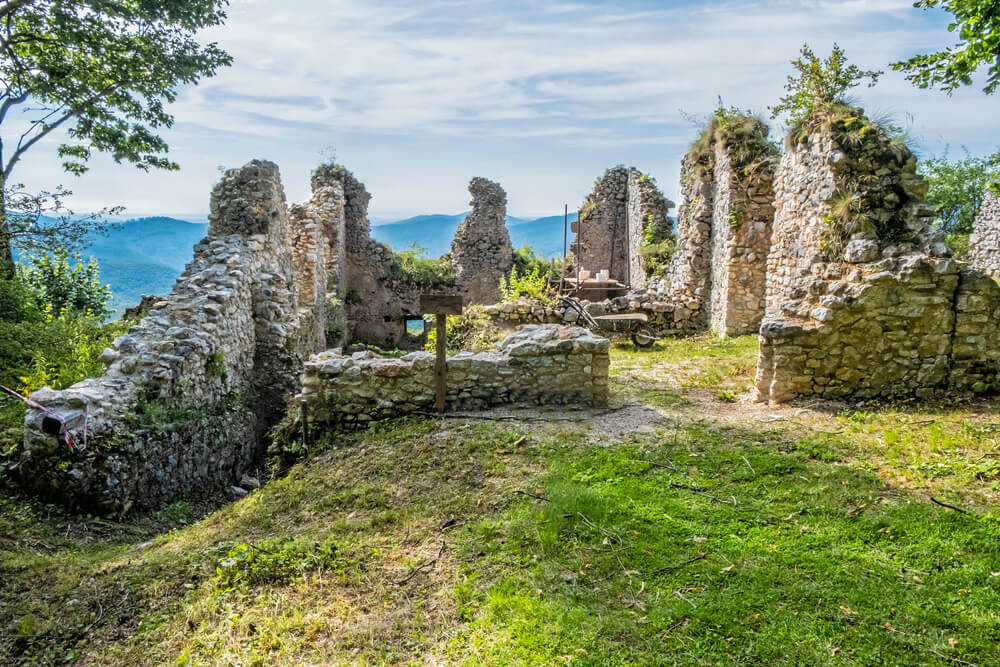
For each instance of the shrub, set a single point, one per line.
(409, 268)
(532, 285)
(819, 84)
(471, 331)
(63, 287)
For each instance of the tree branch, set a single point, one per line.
(10, 6)
(22, 148)
(10, 102)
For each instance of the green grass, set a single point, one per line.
(807, 538)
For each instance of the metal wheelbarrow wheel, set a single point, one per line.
(643, 336)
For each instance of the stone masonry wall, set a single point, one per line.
(375, 307)
(742, 216)
(601, 241)
(189, 390)
(539, 364)
(481, 252)
(690, 278)
(984, 244)
(888, 313)
(647, 207)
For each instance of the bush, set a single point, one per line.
(41, 348)
(532, 285)
(820, 84)
(63, 287)
(409, 268)
(471, 331)
(527, 262)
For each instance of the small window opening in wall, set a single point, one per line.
(414, 326)
(387, 318)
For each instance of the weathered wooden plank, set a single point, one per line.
(448, 304)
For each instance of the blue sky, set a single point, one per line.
(418, 97)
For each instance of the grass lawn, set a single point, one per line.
(726, 533)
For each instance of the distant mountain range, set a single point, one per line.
(146, 255)
(434, 233)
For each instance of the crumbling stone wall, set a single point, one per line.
(539, 364)
(647, 209)
(481, 252)
(601, 242)
(318, 252)
(864, 300)
(374, 306)
(611, 226)
(742, 217)
(189, 390)
(984, 244)
(718, 273)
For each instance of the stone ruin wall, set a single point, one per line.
(881, 316)
(647, 207)
(189, 390)
(536, 365)
(742, 217)
(601, 242)
(690, 276)
(984, 244)
(375, 307)
(611, 226)
(481, 252)
(717, 274)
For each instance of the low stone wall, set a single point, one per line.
(539, 364)
(984, 244)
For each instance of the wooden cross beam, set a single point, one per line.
(441, 306)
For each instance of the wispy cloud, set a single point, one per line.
(542, 95)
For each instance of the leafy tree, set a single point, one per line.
(957, 189)
(103, 69)
(978, 26)
(820, 83)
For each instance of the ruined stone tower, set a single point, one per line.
(610, 229)
(718, 273)
(984, 245)
(863, 298)
(481, 252)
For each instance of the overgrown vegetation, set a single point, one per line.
(410, 269)
(532, 285)
(746, 137)
(51, 334)
(957, 189)
(472, 331)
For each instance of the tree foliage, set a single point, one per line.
(978, 25)
(64, 287)
(957, 189)
(820, 83)
(102, 69)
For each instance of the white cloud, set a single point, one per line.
(548, 95)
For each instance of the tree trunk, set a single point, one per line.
(7, 268)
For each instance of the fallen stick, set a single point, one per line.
(951, 507)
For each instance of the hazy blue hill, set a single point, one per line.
(435, 232)
(146, 255)
(159, 240)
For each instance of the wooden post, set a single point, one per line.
(441, 361)
(441, 305)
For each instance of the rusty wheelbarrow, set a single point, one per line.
(634, 325)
